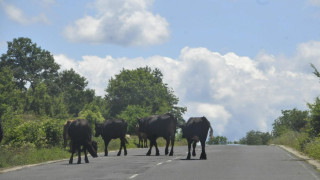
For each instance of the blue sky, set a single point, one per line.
(237, 62)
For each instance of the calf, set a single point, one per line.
(159, 126)
(142, 138)
(195, 130)
(112, 129)
(80, 134)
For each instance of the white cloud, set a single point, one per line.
(16, 14)
(122, 22)
(235, 93)
(314, 2)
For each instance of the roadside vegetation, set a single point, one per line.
(37, 97)
(299, 129)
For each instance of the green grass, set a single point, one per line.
(300, 142)
(13, 156)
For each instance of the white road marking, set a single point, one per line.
(133, 176)
(169, 161)
(159, 163)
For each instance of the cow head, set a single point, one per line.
(93, 149)
(98, 129)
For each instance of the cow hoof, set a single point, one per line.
(70, 162)
(105, 154)
(157, 154)
(125, 154)
(188, 158)
(79, 162)
(87, 161)
(193, 154)
(166, 152)
(171, 154)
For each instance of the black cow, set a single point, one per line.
(1, 131)
(142, 138)
(80, 134)
(195, 130)
(159, 126)
(113, 129)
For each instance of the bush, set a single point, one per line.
(293, 139)
(313, 148)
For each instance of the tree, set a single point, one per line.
(290, 120)
(72, 86)
(256, 138)
(9, 95)
(29, 63)
(141, 87)
(218, 140)
(131, 114)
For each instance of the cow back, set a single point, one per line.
(114, 128)
(197, 126)
(80, 131)
(158, 125)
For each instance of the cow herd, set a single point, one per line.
(151, 128)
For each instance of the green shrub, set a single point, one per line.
(313, 148)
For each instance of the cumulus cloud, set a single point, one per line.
(121, 22)
(16, 14)
(235, 93)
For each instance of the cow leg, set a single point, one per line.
(106, 143)
(203, 153)
(119, 153)
(151, 144)
(124, 146)
(85, 155)
(139, 146)
(73, 149)
(194, 148)
(145, 143)
(172, 144)
(156, 146)
(189, 149)
(79, 154)
(167, 146)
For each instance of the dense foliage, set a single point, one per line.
(37, 97)
(218, 140)
(256, 138)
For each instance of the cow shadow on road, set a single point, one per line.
(191, 159)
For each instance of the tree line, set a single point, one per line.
(37, 97)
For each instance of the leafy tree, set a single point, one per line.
(39, 101)
(314, 120)
(218, 140)
(131, 114)
(9, 95)
(72, 86)
(141, 87)
(256, 138)
(29, 63)
(91, 113)
(290, 120)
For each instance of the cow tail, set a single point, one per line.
(211, 132)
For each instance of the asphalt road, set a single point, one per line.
(224, 163)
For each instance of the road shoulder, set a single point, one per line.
(300, 155)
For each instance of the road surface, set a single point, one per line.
(224, 163)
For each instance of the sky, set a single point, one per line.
(236, 62)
